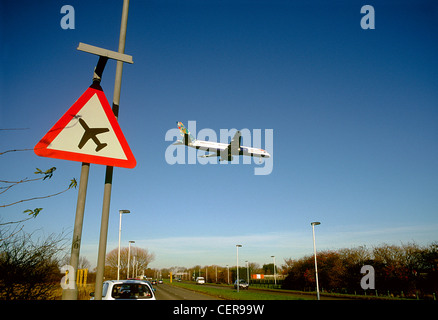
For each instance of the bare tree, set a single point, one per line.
(13, 227)
(84, 263)
(142, 256)
(29, 269)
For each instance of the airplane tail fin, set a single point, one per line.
(187, 136)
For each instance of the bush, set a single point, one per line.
(408, 268)
(29, 270)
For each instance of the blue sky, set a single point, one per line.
(354, 116)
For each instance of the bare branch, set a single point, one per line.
(14, 150)
(35, 198)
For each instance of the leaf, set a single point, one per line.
(37, 211)
(73, 183)
(49, 173)
(34, 212)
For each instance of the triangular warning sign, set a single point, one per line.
(88, 132)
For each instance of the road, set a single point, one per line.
(168, 292)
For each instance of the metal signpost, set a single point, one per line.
(71, 292)
(109, 169)
(237, 264)
(68, 140)
(316, 223)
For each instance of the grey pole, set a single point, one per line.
(275, 278)
(72, 294)
(314, 251)
(129, 255)
(247, 271)
(109, 170)
(120, 236)
(237, 258)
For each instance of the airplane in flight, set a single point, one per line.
(222, 150)
(91, 134)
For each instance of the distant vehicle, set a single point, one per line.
(150, 285)
(154, 282)
(242, 285)
(200, 280)
(126, 290)
(223, 150)
(160, 281)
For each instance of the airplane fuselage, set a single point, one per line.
(217, 147)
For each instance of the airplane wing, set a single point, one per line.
(90, 134)
(84, 139)
(234, 146)
(96, 131)
(232, 149)
(208, 155)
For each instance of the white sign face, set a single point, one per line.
(88, 132)
(94, 118)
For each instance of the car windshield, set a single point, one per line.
(131, 291)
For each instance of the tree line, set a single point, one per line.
(408, 268)
(215, 273)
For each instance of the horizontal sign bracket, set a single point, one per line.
(105, 53)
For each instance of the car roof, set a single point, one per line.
(127, 281)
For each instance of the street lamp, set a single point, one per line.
(247, 271)
(237, 255)
(129, 255)
(120, 234)
(275, 278)
(228, 267)
(314, 251)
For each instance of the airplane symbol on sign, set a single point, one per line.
(91, 134)
(88, 118)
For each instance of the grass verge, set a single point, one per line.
(232, 294)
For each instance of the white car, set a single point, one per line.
(200, 280)
(126, 290)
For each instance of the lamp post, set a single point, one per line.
(247, 271)
(129, 255)
(275, 278)
(228, 267)
(314, 251)
(136, 268)
(237, 258)
(120, 234)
